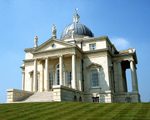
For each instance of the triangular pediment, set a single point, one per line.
(52, 44)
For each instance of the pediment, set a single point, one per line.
(93, 65)
(52, 44)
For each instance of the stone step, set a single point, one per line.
(39, 97)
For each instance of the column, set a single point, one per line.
(116, 77)
(23, 80)
(133, 76)
(61, 70)
(136, 81)
(73, 71)
(46, 75)
(120, 80)
(41, 77)
(35, 76)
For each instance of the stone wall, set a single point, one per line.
(62, 93)
(122, 97)
(15, 95)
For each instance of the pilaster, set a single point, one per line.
(35, 76)
(61, 69)
(23, 80)
(73, 71)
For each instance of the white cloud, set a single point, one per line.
(120, 43)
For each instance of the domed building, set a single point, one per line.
(77, 67)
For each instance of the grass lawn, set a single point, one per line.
(75, 111)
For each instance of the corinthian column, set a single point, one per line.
(35, 76)
(133, 76)
(74, 71)
(46, 75)
(61, 69)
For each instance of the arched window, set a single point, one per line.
(80, 99)
(57, 75)
(75, 98)
(128, 100)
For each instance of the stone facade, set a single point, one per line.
(50, 66)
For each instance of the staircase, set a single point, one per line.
(39, 97)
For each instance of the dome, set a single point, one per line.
(79, 29)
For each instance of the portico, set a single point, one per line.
(45, 63)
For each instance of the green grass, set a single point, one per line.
(75, 111)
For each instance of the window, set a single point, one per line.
(57, 74)
(94, 78)
(92, 46)
(95, 99)
(53, 45)
(37, 82)
(128, 100)
(69, 78)
(50, 80)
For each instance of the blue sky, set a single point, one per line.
(125, 22)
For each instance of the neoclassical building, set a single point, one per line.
(76, 67)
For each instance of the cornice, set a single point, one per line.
(56, 49)
(52, 39)
(92, 38)
(28, 49)
(28, 60)
(95, 51)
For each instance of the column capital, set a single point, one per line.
(46, 57)
(23, 72)
(73, 54)
(60, 55)
(35, 59)
(118, 61)
(131, 60)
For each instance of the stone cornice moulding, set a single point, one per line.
(52, 39)
(95, 51)
(31, 72)
(97, 38)
(52, 50)
(28, 49)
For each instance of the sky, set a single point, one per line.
(125, 22)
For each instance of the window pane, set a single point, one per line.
(50, 80)
(93, 47)
(37, 82)
(94, 78)
(57, 76)
(69, 78)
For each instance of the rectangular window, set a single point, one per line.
(50, 80)
(57, 77)
(94, 78)
(92, 46)
(69, 78)
(95, 99)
